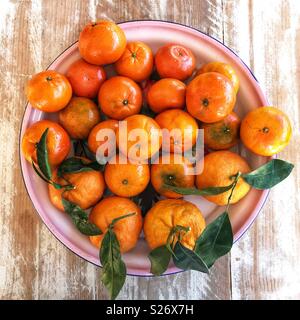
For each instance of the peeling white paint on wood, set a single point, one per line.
(263, 264)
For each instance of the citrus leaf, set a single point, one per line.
(42, 156)
(187, 259)
(268, 175)
(199, 192)
(160, 258)
(39, 173)
(216, 240)
(146, 199)
(114, 269)
(76, 165)
(80, 219)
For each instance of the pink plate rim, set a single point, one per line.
(29, 187)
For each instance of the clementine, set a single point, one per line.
(79, 117)
(165, 215)
(48, 91)
(166, 94)
(120, 97)
(223, 134)
(219, 170)
(173, 171)
(126, 179)
(266, 131)
(210, 97)
(136, 62)
(101, 42)
(127, 230)
(58, 141)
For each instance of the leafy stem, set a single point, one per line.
(236, 179)
(114, 269)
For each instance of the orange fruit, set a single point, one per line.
(89, 188)
(225, 69)
(136, 62)
(223, 134)
(185, 130)
(120, 97)
(58, 141)
(127, 230)
(172, 171)
(166, 94)
(219, 170)
(210, 97)
(48, 91)
(134, 147)
(101, 42)
(94, 143)
(126, 179)
(169, 213)
(85, 78)
(175, 61)
(266, 131)
(79, 117)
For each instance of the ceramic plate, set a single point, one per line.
(206, 49)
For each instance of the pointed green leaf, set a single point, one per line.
(42, 156)
(114, 269)
(216, 240)
(199, 192)
(268, 175)
(160, 258)
(76, 165)
(80, 219)
(187, 259)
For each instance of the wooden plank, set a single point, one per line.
(264, 261)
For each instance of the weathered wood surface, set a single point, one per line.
(264, 264)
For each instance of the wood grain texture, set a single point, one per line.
(263, 264)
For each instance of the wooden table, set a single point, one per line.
(264, 264)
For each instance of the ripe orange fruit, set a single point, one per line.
(185, 130)
(225, 69)
(101, 42)
(169, 213)
(136, 62)
(172, 171)
(127, 230)
(94, 143)
(48, 91)
(219, 170)
(86, 79)
(210, 97)
(126, 179)
(120, 97)
(89, 188)
(58, 141)
(79, 117)
(134, 147)
(175, 61)
(266, 131)
(166, 94)
(223, 134)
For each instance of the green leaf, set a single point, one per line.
(199, 192)
(268, 175)
(160, 258)
(76, 165)
(39, 173)
(114, 269)
(80, 219)
(42, 156)
(187, 259)
(216, 240)
(120, 218)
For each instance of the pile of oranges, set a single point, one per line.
(183, 97)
